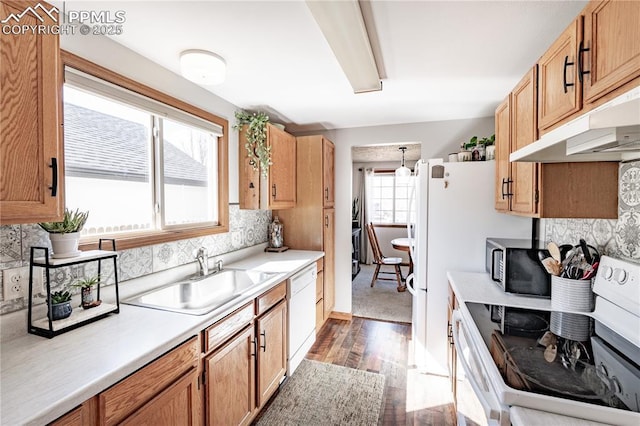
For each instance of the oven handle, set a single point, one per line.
(493, 415)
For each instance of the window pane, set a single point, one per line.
(190, 178)
(107, 162)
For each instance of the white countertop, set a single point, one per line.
(45, 378)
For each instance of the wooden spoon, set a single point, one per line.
(552, 266)
(550, 353)
(554, 251)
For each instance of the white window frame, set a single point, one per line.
(386, 173)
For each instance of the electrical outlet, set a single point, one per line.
(16, 282)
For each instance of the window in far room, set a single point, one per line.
(388, 198)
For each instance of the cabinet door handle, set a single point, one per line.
(326, 221)
(255, 347)
(564, 74)
(54, 177)
(273, 190)
(326, 193)
(506, 182)
(581, 70)
(264, 341)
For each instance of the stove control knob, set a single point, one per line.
(620, 275)
(607, 272)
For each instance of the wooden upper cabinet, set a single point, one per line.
(516, 184)
(560, 90)
(612, 35)
(31, 157)
(282, 173)
(278, 190)
(328, 171)
(524, 131)
(503, 146)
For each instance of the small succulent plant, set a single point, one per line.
(60, 297)
(72, 222)
(87, 282)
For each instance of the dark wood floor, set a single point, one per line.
(411, 398)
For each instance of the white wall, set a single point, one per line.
(109, 54)
(438, 139)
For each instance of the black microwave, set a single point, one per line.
(516, 267)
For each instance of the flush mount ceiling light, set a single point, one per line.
(202, 67)
(343, 26)
(403, 171)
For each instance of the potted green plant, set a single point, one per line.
(64, 235)
(60, 305)
(466, 148)
(86, 291)
(256, 138)
(489, 146)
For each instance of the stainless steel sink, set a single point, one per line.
(202, 295)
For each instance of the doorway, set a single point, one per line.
(378, 197)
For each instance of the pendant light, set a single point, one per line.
(403, 171)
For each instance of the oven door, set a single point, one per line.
(475, 398)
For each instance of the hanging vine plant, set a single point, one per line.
(256, 145)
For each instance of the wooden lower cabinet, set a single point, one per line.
(84, 415)
(272, 351)
(163, 378)
(245, 370)
(230, 381)
(179, 404)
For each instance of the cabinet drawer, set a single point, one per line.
(227, 327)
(123, 398)
(270, 298)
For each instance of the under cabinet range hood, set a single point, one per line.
(610, 132)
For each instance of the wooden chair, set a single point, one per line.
(380, 260)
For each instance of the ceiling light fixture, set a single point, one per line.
(403, 171)
(202, 67)
(343, 26)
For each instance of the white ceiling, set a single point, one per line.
(442, 59)
(385, 153)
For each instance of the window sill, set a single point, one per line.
(142, 239)
(390, 225)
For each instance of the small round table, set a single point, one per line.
(404, 244)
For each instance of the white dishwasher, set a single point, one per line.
(302, 315)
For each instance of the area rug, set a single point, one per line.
(318, 393)
(382, 301)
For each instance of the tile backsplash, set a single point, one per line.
(246, 228)
(617, 238)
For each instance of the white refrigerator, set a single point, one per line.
(453, 213)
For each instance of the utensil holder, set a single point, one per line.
(570, 326)
(571, 295)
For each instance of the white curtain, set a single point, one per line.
(365, 188)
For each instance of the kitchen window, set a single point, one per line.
(388, 198)
(146, 170)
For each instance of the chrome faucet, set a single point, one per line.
(203, 261)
